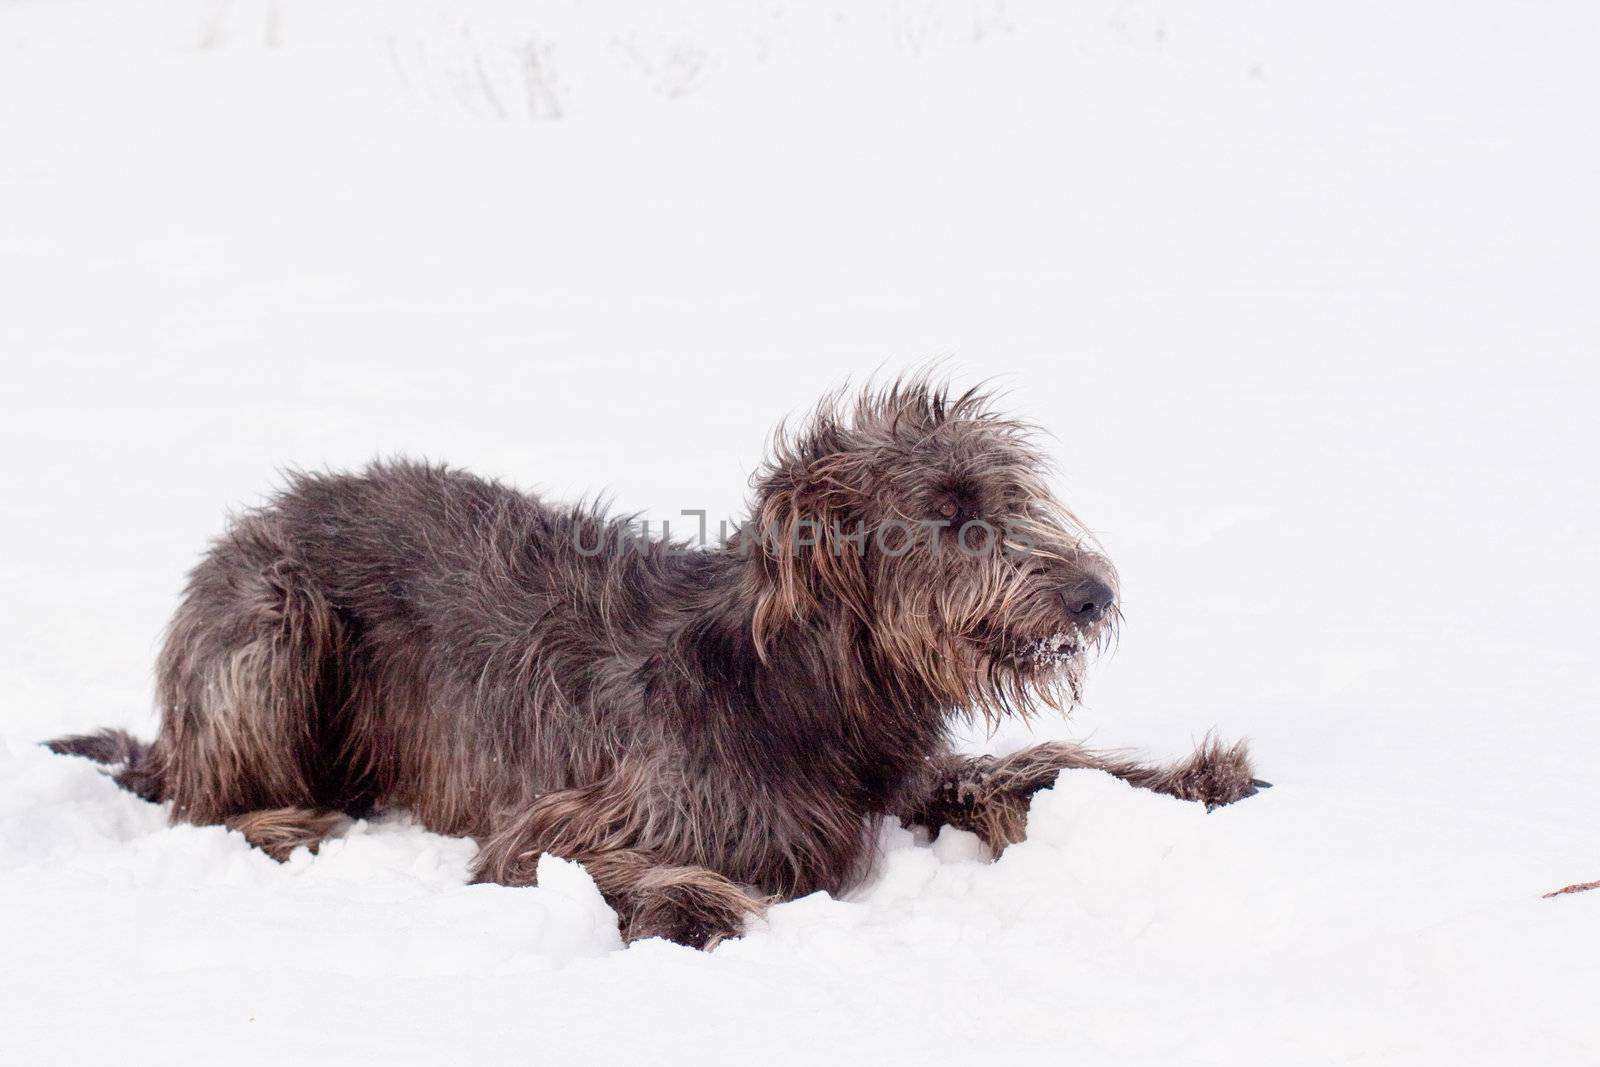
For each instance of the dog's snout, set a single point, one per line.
(1088, 600)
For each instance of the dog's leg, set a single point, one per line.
(990, 795)
(279, 831)
(244, 684)
(652, 895)
(690, 905)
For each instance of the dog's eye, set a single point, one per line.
(954, 505)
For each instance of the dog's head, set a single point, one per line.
(929, 518)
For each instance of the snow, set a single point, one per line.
(1305, 293)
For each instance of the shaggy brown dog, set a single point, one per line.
(704, 730)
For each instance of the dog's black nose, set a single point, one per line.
(1088, 599)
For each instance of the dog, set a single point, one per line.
(707, 729)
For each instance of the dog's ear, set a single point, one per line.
(810, 548)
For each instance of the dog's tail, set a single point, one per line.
(128, 758)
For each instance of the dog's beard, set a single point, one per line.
(1007, 652)
(1022, 672)
(1047, 669)
(1065, 648)
(1047, 654)
(1003, 675)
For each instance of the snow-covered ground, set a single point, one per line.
(1306, 292)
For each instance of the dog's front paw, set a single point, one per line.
(991, 798)
(1215, 775)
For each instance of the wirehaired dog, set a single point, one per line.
(705, 729)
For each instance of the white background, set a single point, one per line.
(1305, 294)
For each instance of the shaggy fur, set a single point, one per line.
(706, 730)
